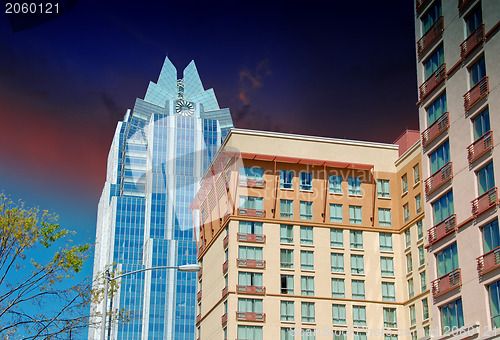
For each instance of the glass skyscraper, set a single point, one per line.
(158, 155)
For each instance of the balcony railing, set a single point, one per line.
(475, 94)
(446, 283)
(225, 241)
(251, 316)
(198, 296)
(225, 291)
(439, 178)
(482, 145)
(225, 265)
(254, 183)
(201, 248)
(488, 262)
(433, 81)
(252, 212)
(224, 319)
(198, 318)
(484, 202)
(257, 238)
(200, 273)
(430, 36)
(472, 41)
(435, 129)
(463, 4)
(442, 229)
(421, 4)
(257, 290)
(246, 263)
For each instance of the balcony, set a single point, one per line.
(442, 229)
(225, 265)
(488, 262)
(198, 296)
(257, 238)
(475, 94)
(435, 129)
(252, 212)
(200, 273)
(472, 41)
(201, 248)
(225, 291)
(252, 183)
(421, 4)
(446, 283)
(251, 316)
(224, 319)
(482, 145)
(433, 81)
(430, 36)
(256, 290)
(439, 178)
(247, 263)
(484, 202)
(198, 318)
(463, 4)
(225, 241)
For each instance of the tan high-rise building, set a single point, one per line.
(314, 237)
(458, 71)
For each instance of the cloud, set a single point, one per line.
(252, 79)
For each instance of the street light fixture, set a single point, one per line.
(108, 279)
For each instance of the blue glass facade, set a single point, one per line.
(159, 153)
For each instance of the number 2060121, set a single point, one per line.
(31, 8)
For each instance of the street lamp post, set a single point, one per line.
(108, 278)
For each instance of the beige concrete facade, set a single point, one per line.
(470, 281)
(311, 253)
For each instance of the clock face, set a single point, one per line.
(184, 108)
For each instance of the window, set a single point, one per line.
(359, 336)
(473, 20)
(306, 235)
(247, 173)
(250, 332)
(356, 239)
(436, 109)
(447, 260)
(387, 266)
(407, 237)
(287, 311)
(383, 189)
(308, 334)
(287, 333)
(307, 285)
(357, 264)
(335, 184)
(250, 253)
(440, 157)
(384, 217)
(336, 213)
(306, 210)
(427, 330)
(385, 241)
(287, 284)
(286, 258)
(433, 62)
(431, 16)
(337, 238)
(406, 212)
(416, 173)
(359, 315)
(443, 207)
(246, 227)
(388, 291)
(354, 186)
(420, 230)
(249, 279)
(338, 288)
(308, 312)
(286, 233)
(477, 71)
(390, 318)
(286, 179)
(339, 335)
(481, 124)
(305, 181)
(485, 178)
(306, 260)
(338, 314)
(452, 316)
(411, 289)
(409, 263)
(355, 214)
(491, 236)
(337, 263)
(494, 297)
(358, 289)
(404, 183)
(249, 202)
(425, 309)
(413, 315)
(286, 208)
(421, 256)
(391, 337)
(250, 305)
(418, 203)
(423, 281)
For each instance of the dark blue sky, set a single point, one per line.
(335, 69)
